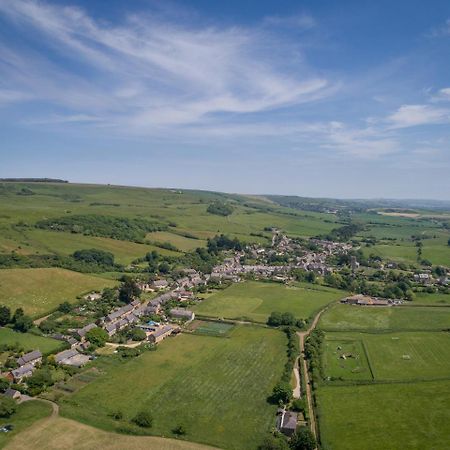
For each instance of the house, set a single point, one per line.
(287, 422)
(32, 358)
(82, 331)
(160, 334)
(160, 284)
(183, 314)
(119, 313)
(185, 295)
(111, 329)
(12, 393)
(22, 372)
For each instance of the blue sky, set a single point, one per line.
(338, 99)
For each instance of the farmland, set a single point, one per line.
(38, 291)
(406, 416)
(29, 341)
(213, 387)
(345, 317)
(255, 301)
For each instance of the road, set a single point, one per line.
(308, 391)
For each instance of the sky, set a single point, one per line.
(346, 99)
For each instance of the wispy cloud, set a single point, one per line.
(415, 115)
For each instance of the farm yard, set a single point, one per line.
(255, 301)
(215, 388)
(39, 291)
(389, 416)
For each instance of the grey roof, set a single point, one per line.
(178, 312)
(61, 356)
(289, 421)
(22, 370)
(82, 331)
(110, 327)
(28, 357)
(119, 313)
(162, 331)
(10, 392)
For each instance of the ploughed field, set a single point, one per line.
(255, 301)
(217, 388)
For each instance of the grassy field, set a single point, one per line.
(255, 301)
(346, 317)
(423, 298)
(392, 356)
(27, 413)
(29, 341)
(216, 388)
(392, 416)
(38, 291)
(210, 328)
(59, 433)
(182, 243)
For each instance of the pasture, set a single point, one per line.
(255, 301)
(390, 356)
(27, 413)
(60, 433)
(39, 291)
(388, 416)
(29, 341)
(401, 318)
(211, 328)
(215, 388)
(181, 242)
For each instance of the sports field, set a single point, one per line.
(406, 416)
(388, 356)
(216, 388)
(38, 291)
(255, 301)
(29, 341)
(348, 317)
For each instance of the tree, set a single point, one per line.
(274, 443)
(136, 334)
(274, 319)
(282, 393)
(4, 384)
(143, 419)
(5, 315)
(303, 440)
(95, 256)
(41, 378)
(97, 337)
(65, 307)
(128, 290)
(23, 323)
(17, 314)
(7, 406)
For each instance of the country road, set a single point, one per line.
(302, 336)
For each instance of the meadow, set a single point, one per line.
(255, 301)
(390, 356)
(39, 291)
(347, 317)
(216, 388)
(29, 341)
(27, 413)
(403, 416)
(211, 328)
(180, 242)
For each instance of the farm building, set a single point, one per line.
(81, 332)
(287, 422)
(160, 334)
(12, 393)
(183, 314)
(21, 372)
(71, 358)
(33, 358)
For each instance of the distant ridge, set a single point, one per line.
(33, 180)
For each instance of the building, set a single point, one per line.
(21, 372)
(81, 332)
(12, 393)
(119, 313)
(160, 284)
(287, 422)
(71, 358)
(160, 334)
(111, 329)
(32, 358)
(183, 314)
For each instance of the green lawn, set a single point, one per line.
(407, 416)
(27, 413)
(39, 291)
(29, 341)
(255, 301)
(392, 356)
(347, 317)
(216, 388)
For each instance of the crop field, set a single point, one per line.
(211, 328)
(255, 301)
(348, 317)
(27, 413)
(29, 341)
(388, 416)
(392, 356)
(38, 291)
(215, 388)
(59, 433)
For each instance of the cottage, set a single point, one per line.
(12, 393)
(111, 329)
(119, 313)
(287, 422)
(160, 284)
(184, 314)
(81, 332)
(22, 372)
(32, 358)
(160, 334)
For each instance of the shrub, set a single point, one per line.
(143, 419)
(7, 406)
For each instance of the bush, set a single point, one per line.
(143, 419)
(94, 256)
(97, 337)
(220, 209)
(7, 406)
(179, 430)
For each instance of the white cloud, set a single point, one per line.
(443, 95)
(414, 115)
(146, 73)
